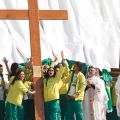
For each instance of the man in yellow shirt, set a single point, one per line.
(76, 93)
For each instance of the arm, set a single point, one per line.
(29, 63)
(22, 87)
(28, 70)
(65, 63)
(81, 83)
(6, 64)
(59, 72)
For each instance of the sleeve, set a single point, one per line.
(59, 73)
(53, 64)
(82, 83)
(28, 74)
(22, 87)
(28, 84)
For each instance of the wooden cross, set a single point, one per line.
(33, 14)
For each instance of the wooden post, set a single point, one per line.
(36, 57)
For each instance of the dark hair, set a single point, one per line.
(1, 65)
(91, 67)
(14, 67)
(100, 73)
(78, 64)
(17, 76)
(47, 74)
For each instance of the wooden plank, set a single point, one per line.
(14, 14)
(53, 15)
(115, 72)
(43, 14)
(36, 58)
(115, 69)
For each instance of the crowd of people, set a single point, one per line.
(14, 90)
(69, 93)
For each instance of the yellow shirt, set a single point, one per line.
(65, 86)
(15, 94)
(28, 74)
(65, 79)
(113, 92)
(28, 84)
(52, 86)
(80, 85)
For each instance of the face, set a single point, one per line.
(22, 76)
(97, 72)
(17, 69)
(51, 72)
(1, 70)
(45, 68)
(92, 72)
(75, 68)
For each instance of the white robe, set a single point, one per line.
(117, 87)
(99, 102)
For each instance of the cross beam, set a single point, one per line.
(33, 14)
(24, 14)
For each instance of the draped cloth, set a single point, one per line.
(89, 25)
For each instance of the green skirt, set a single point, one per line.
(52, 110)
(14, 112)
(2, 109)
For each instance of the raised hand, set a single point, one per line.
(5, 60)
(55, 55)
(62, 54)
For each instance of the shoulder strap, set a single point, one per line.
(72, 72)
(3, 85)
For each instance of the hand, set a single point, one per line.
(89, 81)
(62, 55)
(29, 63)
(32, 92)
(70, 97)
(5, 60)
(55, 56)
(75, 95)
(98, 88)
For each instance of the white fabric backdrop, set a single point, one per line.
(91, 35)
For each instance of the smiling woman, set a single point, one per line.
(15, 97)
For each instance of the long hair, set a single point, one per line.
(47, 74)
(17, 76)
(1, 65)
(14, 67)
(79, 65)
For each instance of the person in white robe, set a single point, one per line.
(100, 98)
(117, 87)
